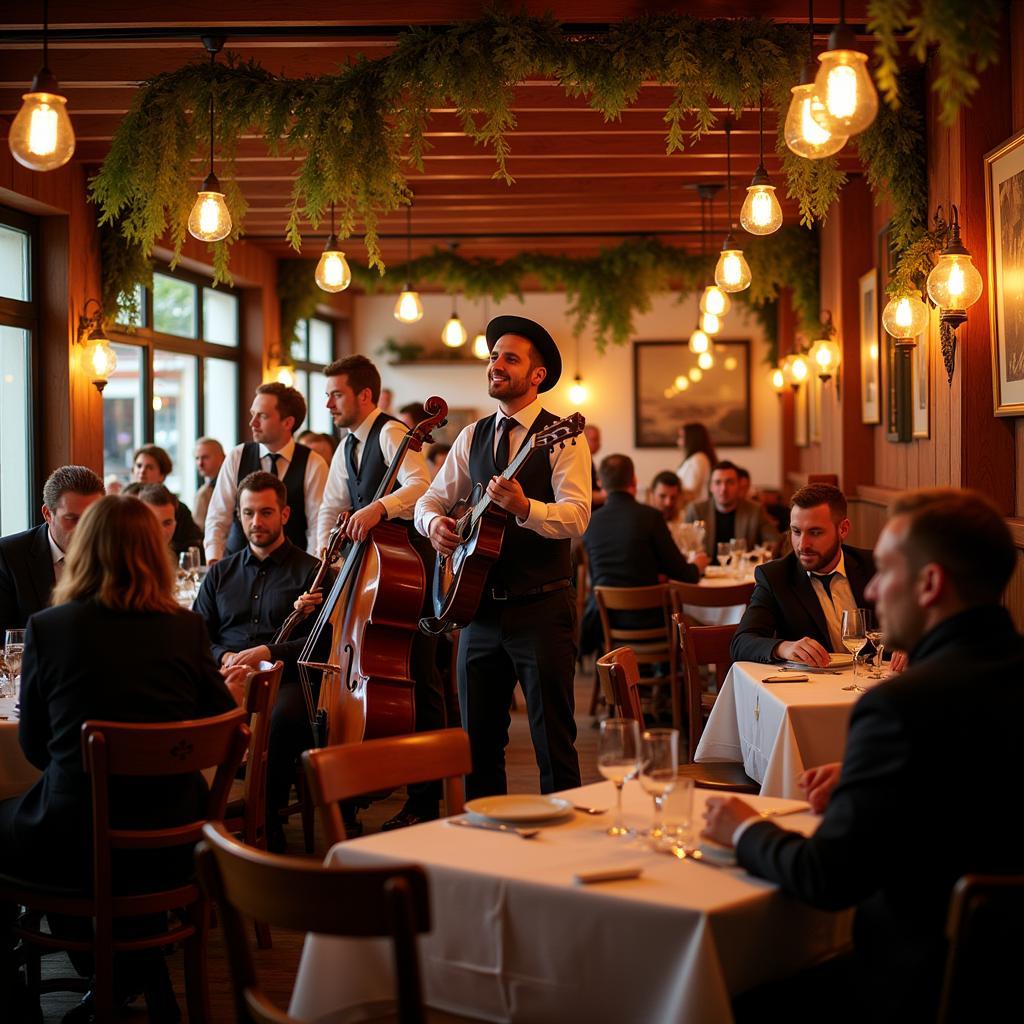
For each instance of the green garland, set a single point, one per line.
(124, 268)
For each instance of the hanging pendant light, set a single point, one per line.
(41, 137)
(210, 220)
(408, 308)
(714, 303)
(453, 334)
(761, 213)
(732, 274)
(705, 360)
(710, 324)
(333, 273)
(803, 134)
(847, 99)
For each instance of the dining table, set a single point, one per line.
(16, 774)
(515, 938)
(714, 577)
(780, 729)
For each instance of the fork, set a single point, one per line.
(590, 810)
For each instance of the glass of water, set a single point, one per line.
(659, 765)
(14, 648)
(618, 757)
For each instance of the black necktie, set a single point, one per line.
(273, 456)
(826, 582)
(351, 443)
(501, 453)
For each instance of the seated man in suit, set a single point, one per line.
(906, 819)
(628, 545)
(796, 610)
(162, 504)
(727, 516)
(32, 562)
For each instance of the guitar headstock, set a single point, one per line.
(560, 432)
(437, 416)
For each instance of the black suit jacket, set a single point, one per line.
(26, 576)
(84, 661)
(784, 605)
(909, 816)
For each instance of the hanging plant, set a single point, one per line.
(125, 268)
(298, 294)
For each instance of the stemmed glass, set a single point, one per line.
(875, 635)
(14, 647)
(854, 640)
(724, 550)
(659, 765)
(618, 759)
(677, 815)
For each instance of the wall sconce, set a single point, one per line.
(777, 379)
(905, 317)
(795, 370)
(953, 284)
(825, 354)
(95, 356)
(280, 367)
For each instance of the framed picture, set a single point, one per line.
(800, 432)
(1004, 208)
(898, 421)
(718, 397)
(920, 387)
(814, 387)
(870, 372)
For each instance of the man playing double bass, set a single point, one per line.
(525, 627)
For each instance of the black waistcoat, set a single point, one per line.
(527, 559)
(295, 484)
(364, 481)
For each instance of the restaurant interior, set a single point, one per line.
(798, 225)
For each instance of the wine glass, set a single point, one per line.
(659, 765)
(677, 817)
(618, 754)
(854, 640)
(724, 552)
(14, 647)
(875, 635)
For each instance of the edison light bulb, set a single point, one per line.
(705, 360)
(98, 360)
(732, 272)
(803, 134)
(954, 282)
(332, 272)
(285, 375)
(699, 342)
(905, 316)
(730, 363)
(453, 333)
(210, 220)
(408, 308)
(669, 392)
(795, 370)
(696, 374)
(480, 349)
(710, 324)
(848, 100)
(714, 300)
(682, 382)
(761, 213)
(41, 137)
(577, 392)
(778, 381)
(825, 356)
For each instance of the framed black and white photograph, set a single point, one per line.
(921, 386)
(1004, 207)
(870, 372)
(669, 389)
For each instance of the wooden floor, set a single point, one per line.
(277, 966)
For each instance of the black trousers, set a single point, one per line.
(532, 641)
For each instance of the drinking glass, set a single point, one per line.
(14, 647)
(724, 552)
(854, 640)
(659, 765)
(618, 755)
(677, 816)
(874, 634)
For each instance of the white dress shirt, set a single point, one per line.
(842, 599)
(564, 518)
(221, 512)
(57, 555)
(413, 476)
(694, 475)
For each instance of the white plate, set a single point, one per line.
(834, 661)
(519, 808)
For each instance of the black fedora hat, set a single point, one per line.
(532, 331)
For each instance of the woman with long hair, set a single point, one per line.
(698, 458)
(152, 465)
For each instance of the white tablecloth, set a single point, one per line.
(728, 616)
(514, 939)
(778, 729)
(16, 774)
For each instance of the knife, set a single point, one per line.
(493, 826)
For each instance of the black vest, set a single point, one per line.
(364, 481)
(295, 484)
(527, 559)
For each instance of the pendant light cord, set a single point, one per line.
(810, 28)
(213, 59)
(408, 238)
(46, 33)
(728, 170)
(760, 162)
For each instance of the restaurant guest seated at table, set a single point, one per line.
(152, 465)
(727, 516)
(908, 817)
(115, 646)
(161, 503)
(32, 562)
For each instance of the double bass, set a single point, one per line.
(373, 611)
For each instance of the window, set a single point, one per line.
(17, 327)
(312, 349)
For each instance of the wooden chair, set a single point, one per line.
(986, 934)
(696, 596)
(354, 769)
(117, 750)
(654, 646)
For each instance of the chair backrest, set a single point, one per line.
(650, 646)
(986, 935)
(349, 770)
(701, 645)
(709, 597)
(301, 895)
(260, 698)
(620, 678)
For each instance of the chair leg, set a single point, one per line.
(103, 983)
(595, 695)
(263, 940)
(197, 991)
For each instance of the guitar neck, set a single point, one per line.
(509, 473)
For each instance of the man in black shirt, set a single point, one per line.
(244, 599)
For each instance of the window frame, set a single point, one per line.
(309, 367)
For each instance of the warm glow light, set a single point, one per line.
(681, 382)
(158, 403)
(284, 374)
(732, 272)
(705, 360)
(761, 213)
(408, 308)
(804, 136)
(480, 349)
(714, 300)
(98, 360)
(710, 324)
(577, 392)
(905, 316)
(209, 220)
(730, 363)
(825, 355)
(332, 272)
(848, 100)
(778, 381)
(670, 392)
(699, 342)
(696, 374)
(41, 137)
(954, 282)
(799, 369)
(453, 334)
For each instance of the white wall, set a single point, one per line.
(608, 377)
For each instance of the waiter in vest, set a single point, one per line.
(277, 411)
(357, 469)
(525, 627)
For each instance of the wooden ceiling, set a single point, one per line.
(580, 183)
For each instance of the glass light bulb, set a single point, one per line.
(408, 308)
(98, 360)
(696, 374)
(480, 349)
(680, 381)
(453, 334)
(730, 363)
(799, 369)
(285, 375)
(848, 99)
(705, 360)
(41, 137)
(209, 220)
(905, 316)
(710, 324)
(778, 381)
(714, 300)
(732, 272)
(761, 213)
(825, 355)
(954, 282)
(669, 392)
(577, 392)
(803, 134)
(699, 342)
(333, 273)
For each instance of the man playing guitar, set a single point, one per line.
(525, 626)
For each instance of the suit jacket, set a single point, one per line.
(84, 661)
(909, 816)
(752, 523)
(26, 576)
(784, 605)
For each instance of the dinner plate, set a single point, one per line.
(515, 808)
(834, 661)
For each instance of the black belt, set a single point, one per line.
(501, 594)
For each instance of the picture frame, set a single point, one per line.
(720, 398)
(870, 365)
(1004, 220)
(921, 386)
(897, 378)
